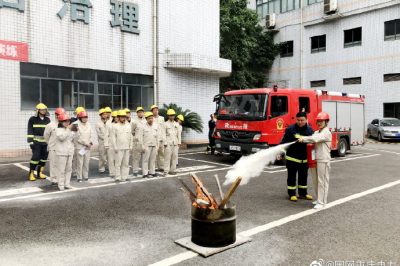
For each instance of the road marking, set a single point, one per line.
(393, 152)
(204, 161)
(262, 228)
(7, 164)
(11, 192)
(100, 180)
(191, 153)
(194, 168)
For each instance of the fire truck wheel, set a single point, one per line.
(342, 147)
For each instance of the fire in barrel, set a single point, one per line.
(213, 222)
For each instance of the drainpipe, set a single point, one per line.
(301, 43)
(155, 51)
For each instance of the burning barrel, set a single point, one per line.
(213, 227)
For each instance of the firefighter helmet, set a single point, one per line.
(59, 111)
(148, 114)
(79, 109)
(153, 106)
(41, 106)
(114, 113)
(102, 111)
(171, 112)
(83, 114)
(139, 109)
(180, 117)
(63, 117)
(121, 113)
(107, 110)
(322, 116)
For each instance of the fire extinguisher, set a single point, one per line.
(312, 162)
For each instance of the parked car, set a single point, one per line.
(386, 128)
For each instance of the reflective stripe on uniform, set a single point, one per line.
(295, 160)
(43, 161)
(29, 136)
(30, 143)
(34, 162)
(39, 140)
(39, 125)
(302, 186)
(291, 188)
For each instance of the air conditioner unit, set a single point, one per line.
(270, 21)
(330, 6)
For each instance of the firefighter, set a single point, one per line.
(180, 120)
(211, 128)
(50, 137)
(296, 157)
(137, 122)
(107, 143)
(101, 134)
(121, 141)
(148, 139)
(172, 142)
(83, 143)
(159, 122)
(64, 150)
(36, 127)
(323, 140)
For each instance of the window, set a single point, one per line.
(310, 2)
(287, 49)
(352, 81)
(391, 110)
(304, 104)
(59, 86)
(265, 7)
(352, 37)
(391, 77)
(318, 44)
(279, 106)
(317, 83)
(287, 5)
(392, 30)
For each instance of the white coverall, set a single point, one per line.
(172, 142)
(109, 147)
(136, 123)
(121, 141)
(101, 135)
(64, 151)
(148, 139)
(323, 140)
(83, 141)
(159, 123)
(50, 138)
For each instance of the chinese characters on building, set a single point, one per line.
(125, 16)
(16, 4)
(79, 10)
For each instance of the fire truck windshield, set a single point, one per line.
(242, 107)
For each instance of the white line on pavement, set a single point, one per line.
(22, 166)
(11, 192)
(191, 153)
(393, 152)
(262, 228)
(204, 161)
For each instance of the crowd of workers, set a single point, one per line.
(67, 142)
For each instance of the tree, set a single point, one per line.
(192, 120)
(247, 44)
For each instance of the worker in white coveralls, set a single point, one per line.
(101, 134)
(50, 138)
(148, 139)
(172, 142)
(64, 151)
(107, 142)
(136, 123)
(323, 140)
(83, 144)
(180, 119)
(159, 122)
(121, 141)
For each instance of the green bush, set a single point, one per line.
(192, 120)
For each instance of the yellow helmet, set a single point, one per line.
(139, 109)
(107, 110)
(171, 112)
(121, 113)
(79, 109)
(127, 110)
(153, 106)
(41, 106)
(180, 117)
(102, 111)
(148, 114)
(114, 113)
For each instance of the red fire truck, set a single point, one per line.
(254, 119)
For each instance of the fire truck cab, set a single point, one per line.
(253, 119)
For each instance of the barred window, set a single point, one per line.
(317, 83)
(391, 77)
(352, 81)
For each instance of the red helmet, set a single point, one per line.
(59, 111)
(322, 116)
(82, 114)
(63, 117)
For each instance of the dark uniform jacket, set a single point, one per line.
(298, 151)
(36, 127)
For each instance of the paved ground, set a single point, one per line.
(136, 223)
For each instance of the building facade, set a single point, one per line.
(97, 53)
(355, 49)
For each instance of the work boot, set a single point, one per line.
(41, 175)
(293, 198)
(32, 175)
(307, 197)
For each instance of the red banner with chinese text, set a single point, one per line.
(14, 51)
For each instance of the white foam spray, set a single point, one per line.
(252, 165)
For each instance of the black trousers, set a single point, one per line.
(297, 169)
(39, 155)
(211, 145)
